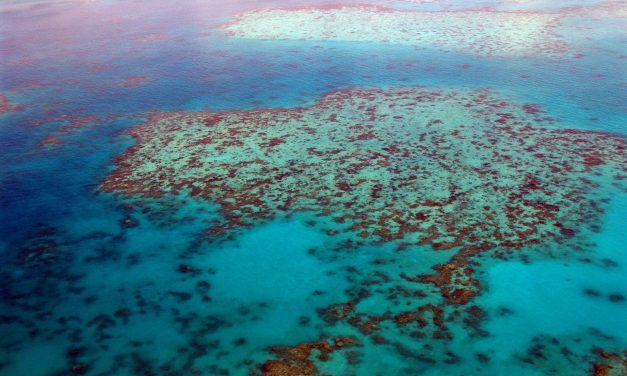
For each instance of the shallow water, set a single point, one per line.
(337, 202)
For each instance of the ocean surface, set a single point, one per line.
(194, 188)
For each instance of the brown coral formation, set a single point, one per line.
(295, 360)
(609, 363)
(455, 278)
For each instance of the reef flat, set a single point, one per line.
(464, 170)
(451, 166)
(480, 32)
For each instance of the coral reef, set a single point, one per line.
(461, 171)
(294, 360)
(6, 106)
(464, 170)
(483, 32)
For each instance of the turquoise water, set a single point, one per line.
(560, 299)
(92, 284)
